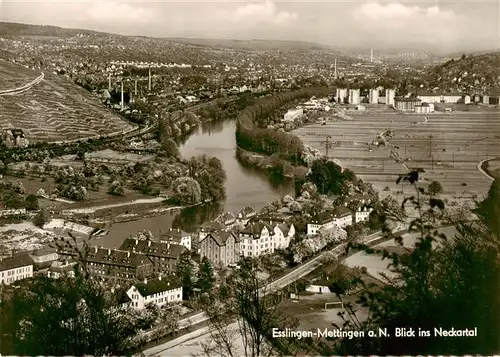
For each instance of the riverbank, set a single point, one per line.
(272, 166)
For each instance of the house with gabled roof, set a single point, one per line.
(209, 227)
(120, 264)
(245, 214)
(339, 217)
(159, 291)
(228, 219)
(176, 236)
(256, 239)
(164, 256)
(283, 235)
(221, 248)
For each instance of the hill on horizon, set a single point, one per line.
(19, 29)
(256, 44)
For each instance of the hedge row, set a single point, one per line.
(268, 141)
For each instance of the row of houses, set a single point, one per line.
(264, 234)
(424, 103)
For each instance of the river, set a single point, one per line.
(244, 186)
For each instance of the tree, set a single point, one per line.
(185, 271)
(489, 208)
(206, 277)
(40, 219)
(435, 188)
(67, 316)
(435, 286)
(186, 190)
(328, 176)
(116, 189)
(248, 300)
(170, 147)
(31, 203)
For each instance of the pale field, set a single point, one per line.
(460, 140)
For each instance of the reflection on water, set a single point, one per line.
(189, 219)
(245, 186)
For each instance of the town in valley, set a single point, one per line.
(179, 194)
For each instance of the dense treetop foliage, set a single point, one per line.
(268, 141)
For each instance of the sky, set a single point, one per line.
(444, 25)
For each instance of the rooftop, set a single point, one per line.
(149, 247)
(17, 261)
(155, 286)
(117, 257)
(221, 237)
(255, 229)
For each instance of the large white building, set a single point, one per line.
(15, 268)
(373, 96)
(159, 292)
(341, 95)
(260, 238)
(354, 96)
(443, 98)
(390, 94)
(176, 236)
(293, 114)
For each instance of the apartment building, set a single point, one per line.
(221, 248)
(164, 256)
(15, 268)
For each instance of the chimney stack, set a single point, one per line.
(136, 241)
(109, 251)
(149, 83)
(96, 249)
(145, 281)
(128, 254)
(149, 243)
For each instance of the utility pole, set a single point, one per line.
(135, 89)
(293, 177)
(109, 83)
(430, 146)
(327, 145)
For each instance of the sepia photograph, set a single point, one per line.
(249, 178)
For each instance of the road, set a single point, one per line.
(23, 88)
(280, 283)
(480, 168)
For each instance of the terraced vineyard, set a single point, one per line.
(448, 146)
(54, 109)
(13, 76)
